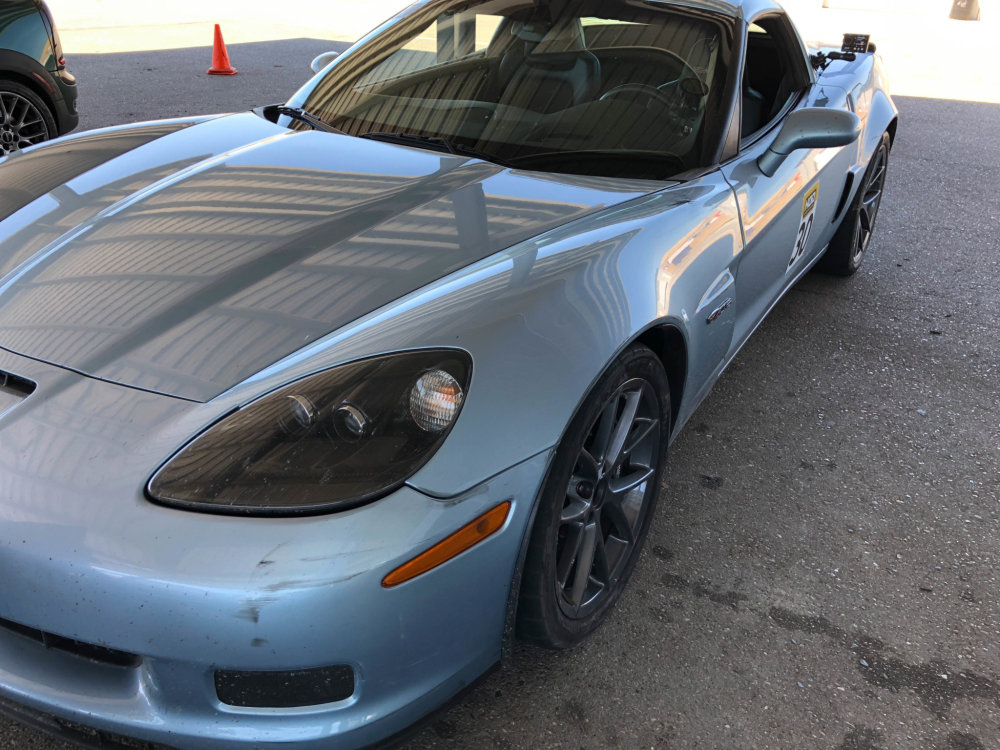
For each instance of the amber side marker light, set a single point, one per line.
(468, 536)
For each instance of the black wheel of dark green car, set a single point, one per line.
(850, 243)
(597, 503)
(24, 118)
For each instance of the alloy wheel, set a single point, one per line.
(21, 123)
(870, 202)
(607, 498)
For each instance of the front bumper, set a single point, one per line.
(85, 557)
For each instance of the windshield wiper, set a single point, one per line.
(297, 113)
(484, 155)
(433, 141)
(411, 139)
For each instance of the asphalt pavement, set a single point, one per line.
(822, 570)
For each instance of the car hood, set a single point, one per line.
(185, 259)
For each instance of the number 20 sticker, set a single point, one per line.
(806, 225)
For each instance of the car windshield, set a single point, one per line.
(611, 88)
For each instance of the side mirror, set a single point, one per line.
(323, 60)
(810, 128)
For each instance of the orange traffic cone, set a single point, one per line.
(220, 58)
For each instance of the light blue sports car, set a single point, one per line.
(305, 412)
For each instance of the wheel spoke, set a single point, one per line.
(615, 514)
(36, 121)
(620, 486)
(25, 111)
(622, 429)
(601, 569)
(873, 193)
(584, 563)
(603, 430)
(877, 177)
(865, 218)
(575, 510)
(30, 141)
(569, 551)
(647, 425)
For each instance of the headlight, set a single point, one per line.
(328, 442)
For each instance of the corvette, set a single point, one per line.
(305, 412)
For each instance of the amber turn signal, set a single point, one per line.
(468, 536)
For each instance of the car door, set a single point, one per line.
(788, 217)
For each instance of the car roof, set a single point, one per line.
(734, 8)
(741, 9)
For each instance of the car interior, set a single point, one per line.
(770, 78)
(627, 92)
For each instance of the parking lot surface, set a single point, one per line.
(822, 570)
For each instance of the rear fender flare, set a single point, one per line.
(880, 119)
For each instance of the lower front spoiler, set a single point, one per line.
(71, 732)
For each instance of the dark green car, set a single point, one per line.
(37, 93)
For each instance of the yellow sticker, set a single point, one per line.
(809, 202)
(806, 225)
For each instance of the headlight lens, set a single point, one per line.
(328, 442)
(435, 400)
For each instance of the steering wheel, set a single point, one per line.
(669, 93)
(687, 73)
(676, 111)
(652, 92)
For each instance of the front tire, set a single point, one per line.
(24, 118)
(597, 503)
(850, 243)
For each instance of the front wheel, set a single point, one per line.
(24, 118)
(597, 503)
(850, 243)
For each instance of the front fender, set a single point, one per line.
(543, 319)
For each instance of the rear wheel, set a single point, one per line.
(850, 243)
(597, 503)
(24, 118)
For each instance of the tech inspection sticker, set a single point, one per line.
(806, 225)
